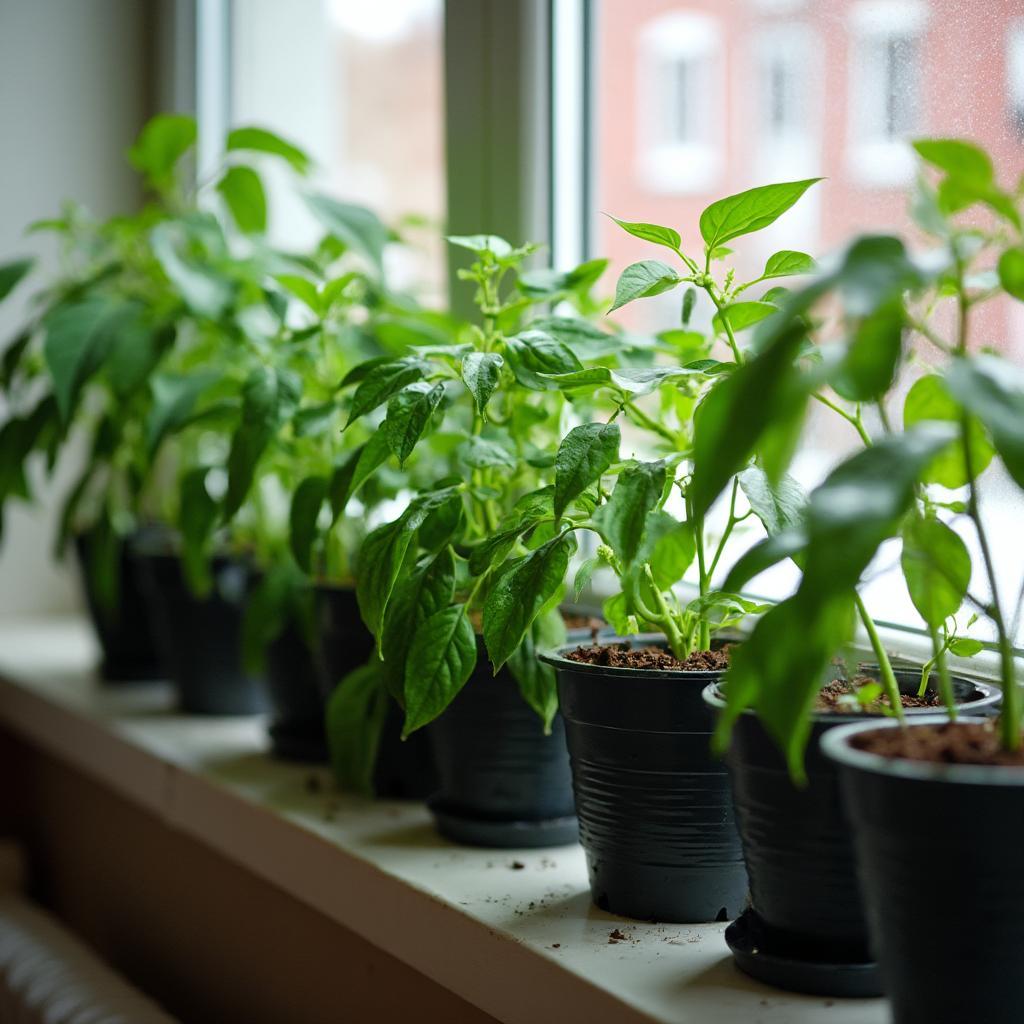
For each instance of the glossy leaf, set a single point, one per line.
(936, 567)
(531, 354)
(196, 520)
(776, 547)
(259, 140)
(749, 211)
(174, 401)
(203, 290)
(307, 501)
(358, 228)
(929, 399)
(992, 389)
(161, 144)
(481, 372)
(441, 658)
(519, 594)
(409, 413)
(787, 263)
(741, 315)
(585, 453)
(872, 357)
(668, 237)
(536, 680)
(354, 721)
(243, 192)
(622, 519)
(1010, 267)
(642, 280)
(381, 382)
(778, 506)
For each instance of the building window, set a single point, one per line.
(885, 89)
(678, 91)
(783, 83)
(1015, 76)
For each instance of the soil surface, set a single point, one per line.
(831, 698)
(627, 656)
(948, 743)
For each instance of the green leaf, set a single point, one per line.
(357, 227)
(379, 564)
(381, 382)
(787, 263)
(583, 575)
(668, 237)
(355, 714)
(259, 140)
(937, 569)
(749, 211)
(137, 348)
(174, 400)
(161, 144)
(314, 420)
(668, 546)
(302, 288)
(520, 593)
(203, 290)
(197, 518)
(992, 389)
(622, 519)
(964, 647)
(417, 596)
(643, 279)
(11, 273)
(354, 469)
(408, 414)
(480, 453)
(243, 192)
(872, 357)
(929, 399)
(307, 501)
(441, 658)
(585, 453)
(266, 397)
(689, 301)
(640, 380)
(78, 339)
(531, 354)
(13, 354)
(741, 315)
(482, 245)
(481, 372)
(536, 680)
(778, 506)
(958, 158)
(1010, 267)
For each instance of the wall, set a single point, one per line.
(73, 94)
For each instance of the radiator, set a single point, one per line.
(48, 976)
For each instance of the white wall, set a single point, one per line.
(73, 94)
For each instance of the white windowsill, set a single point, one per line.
(463, 917)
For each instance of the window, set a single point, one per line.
(678, 69)
(1015, 76)
(885, 90)
(360, 85)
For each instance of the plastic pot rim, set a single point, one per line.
(835, 744)
(557, 659)
(992, 695)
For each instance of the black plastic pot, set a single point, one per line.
(405, 769)
(938, 854)
(805, 930)
(199, 638)
(125, 635)
(296, 700)
(503, 783)
(654, 806)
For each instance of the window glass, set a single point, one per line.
(777, 90)
(360, 85)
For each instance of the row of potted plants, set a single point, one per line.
(381, 508)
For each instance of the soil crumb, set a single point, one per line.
(948, 743)
(615, 935)
(625, 655)
(838, 697)
(518, 865)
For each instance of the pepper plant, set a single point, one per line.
(480, 546)
(957, 418)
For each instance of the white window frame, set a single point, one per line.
(666, 164)
(873, 158)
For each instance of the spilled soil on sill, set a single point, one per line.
(835, 698)
(625, 655)
(945, 743)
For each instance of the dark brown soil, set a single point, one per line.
(948, 743)
(830, 696)
(627, 656)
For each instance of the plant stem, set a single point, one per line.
(705, 627)
(854, 421)
(733, 520)
(653, 425)
(888, 679)
(730, 337)
(945, 683)
(676, 641)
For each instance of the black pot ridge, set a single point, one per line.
(293, 685)
(937, 854)
(799, 852)
(654, 806)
